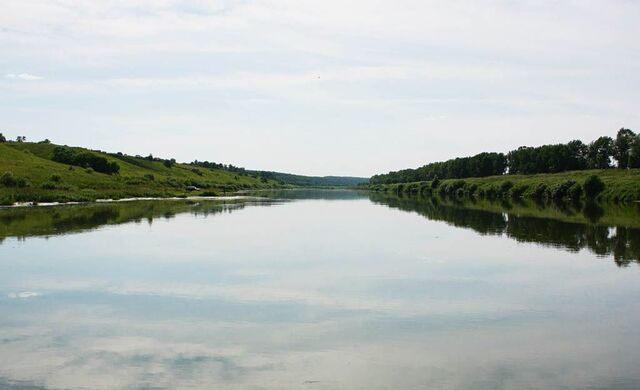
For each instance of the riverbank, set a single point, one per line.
(618, 185)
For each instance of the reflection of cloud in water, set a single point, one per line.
(230, 302)
(24, 295)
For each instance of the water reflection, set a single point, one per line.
(329, 292)
(569, 226)
(23, 222)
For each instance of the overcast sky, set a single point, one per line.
(318, 87)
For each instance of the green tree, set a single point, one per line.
(600, 152)
(634, 152)
(622, 146)
(2, 138)
(592, 186)
(21, 138)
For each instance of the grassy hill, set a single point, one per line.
(30, 174)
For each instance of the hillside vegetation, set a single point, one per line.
(45, 172)
(617, 185)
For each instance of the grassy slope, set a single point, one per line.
(619, 184)
(33, 162)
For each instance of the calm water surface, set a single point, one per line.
(317, 290)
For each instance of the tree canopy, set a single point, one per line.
(526, 160)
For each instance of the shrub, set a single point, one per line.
(519, 191)
(435, 182)
(561, 190)
(84, 159)
(149, 177)
(540, 191)
(575, 192)
(505, 187)
(593, 186)
(3, 138)
(55, 178)
(48, 186)
(8, 179)
(89, 170)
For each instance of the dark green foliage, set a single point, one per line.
(169, 163)
(572, 156)
(450, 189)
(518, 192)
(575, 192)
(505, 187)
(548, 158)
(593, 186)
(197, 171)
(483, 164)
(435, 182)
(622, 147)
(8, 179)
(84, 159)
(634, 152)
(561, 190)
(45, 141)
(600, 152)
(472, 189)
(540, 191)
(55, 178)
(2, 138)
(149, 177)
(21, 138)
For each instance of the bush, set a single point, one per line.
(540, 191)
(593, 186)
(505, 187)
(575, 192)
(84, 159)
(55, 178)
(435, 182)
(561, 190)
(48, 186)
(149, 177)
(519, 191)
(8, 179)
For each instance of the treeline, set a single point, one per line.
(286, 178)
(214, 165)
(85, 159)
(311, 181)
(572, 156)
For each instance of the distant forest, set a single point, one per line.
(572, 156)
(287, 178)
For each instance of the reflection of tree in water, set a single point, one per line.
(623, 243)
(48, 221)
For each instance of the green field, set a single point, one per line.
(41, 179)
(620, 185)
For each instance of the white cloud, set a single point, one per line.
(352, 71)
(23, 76)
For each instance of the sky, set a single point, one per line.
(318, 87)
